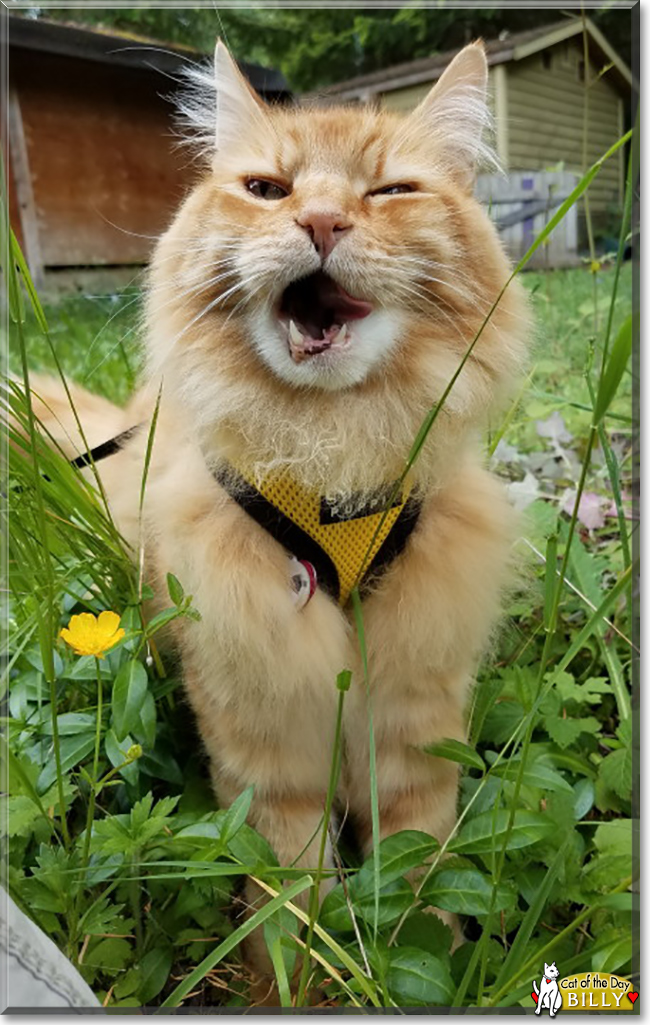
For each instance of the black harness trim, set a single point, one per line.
(107, 448)
(299, 543)
(280, 527)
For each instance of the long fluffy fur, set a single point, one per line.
(260, 674)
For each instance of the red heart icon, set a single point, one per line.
(535, 997)
(632, 997)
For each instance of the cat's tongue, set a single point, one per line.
(317, 312)
(344, 306)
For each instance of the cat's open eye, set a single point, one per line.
(263, 189)
(393, 190)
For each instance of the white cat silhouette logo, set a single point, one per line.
(548, 994)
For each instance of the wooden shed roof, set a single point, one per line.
(125, 49)
(498, 51)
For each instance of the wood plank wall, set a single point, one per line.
(106, 174)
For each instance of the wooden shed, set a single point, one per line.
(538, 88)
(95, 171)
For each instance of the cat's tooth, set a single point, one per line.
(294, 334)
(341, 334)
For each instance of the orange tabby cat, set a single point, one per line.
(307, 307)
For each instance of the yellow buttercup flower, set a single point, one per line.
(93, 635)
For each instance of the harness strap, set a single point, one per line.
(303, 546)
(107, 448)
(290, 534)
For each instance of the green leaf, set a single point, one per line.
(466, 891)
(116, 754)
(73, 750)
(110, 954)
(19, 813)
(566, 731)
(486, 693)
(236, 814)
(70, 723)
(398, 854)
(155, 967)
(416, 978)
(394, 899)
(487, 832)
(426, 931)
(249, 848)
(615, 954)
(145, 731)
(129, 692)
(615, 772)
(618, 360)
(175, 588)
(456, 751)
(537, 774)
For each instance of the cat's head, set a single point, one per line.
(327, 245)
(550, 971)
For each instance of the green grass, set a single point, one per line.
(114, 845)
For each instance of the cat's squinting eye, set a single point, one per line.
(393, 190)
(264, 189)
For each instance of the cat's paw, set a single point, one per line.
(304, 581)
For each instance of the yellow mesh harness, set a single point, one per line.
(333, 536)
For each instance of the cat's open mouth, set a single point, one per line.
(316, 312)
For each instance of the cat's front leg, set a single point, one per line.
(260, 672)
(425, 626)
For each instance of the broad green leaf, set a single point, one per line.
(250, 848)
(583, 798)
(486, 693)
(537, 774)
(466, 891)
(155, 968)
(615, 771)
(129, 692)
(145, 730)
(394, 899)
(565, 731)
(416, 978)
(19, 815)
(456, 751)
(426, 931)
(615, 954)
(398, 854)
(116, 754)
(487, 832)
(73, 750)
(161, 764)
(70, 723)
(236, 814)
(110, 954)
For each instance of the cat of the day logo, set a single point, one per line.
(591, 991)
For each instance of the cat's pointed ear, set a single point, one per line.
(546, 967)
(239, 110)
(456, 116)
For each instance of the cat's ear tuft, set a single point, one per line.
(239, 110)
(456, 117)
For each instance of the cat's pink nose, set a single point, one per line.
(324, 229)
